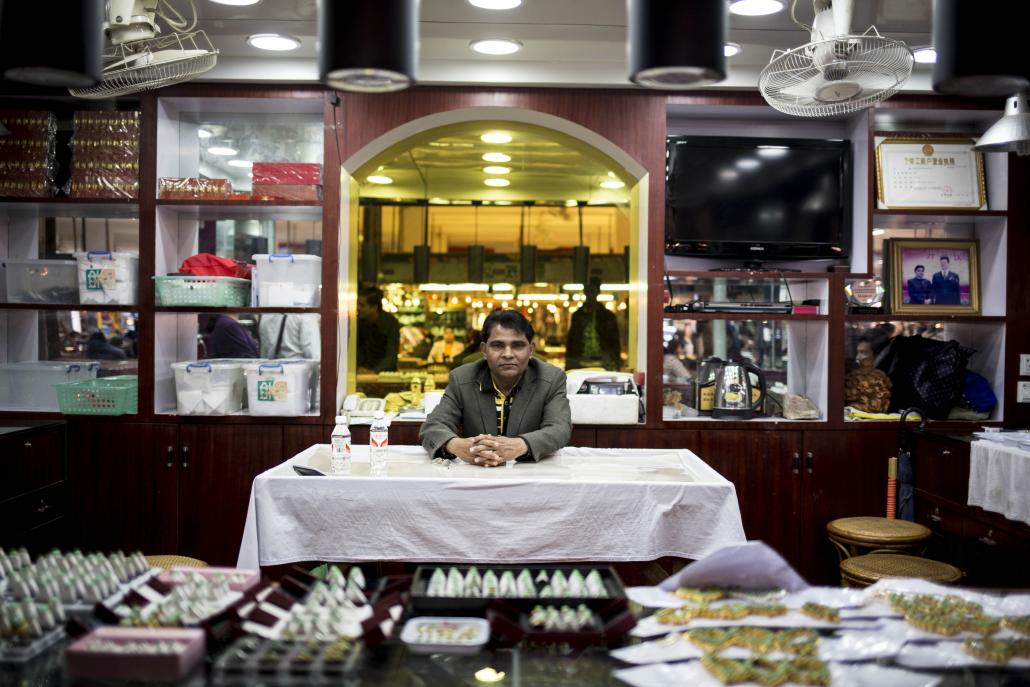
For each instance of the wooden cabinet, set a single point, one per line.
(991, 550)
(33, 489)
(167, 488)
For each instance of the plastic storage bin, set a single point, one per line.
(224, 292)
(106, 277)
(30, 385)
(107, 396)
(208, 387)
(40, 281)
(280, 387)
(282, 280)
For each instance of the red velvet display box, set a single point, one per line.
(81, 662)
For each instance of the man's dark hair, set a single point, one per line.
(372, 295)
(945, 257)
(509, 319)
(919, 267)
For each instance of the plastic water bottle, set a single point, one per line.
(378, 445)
(339, 457)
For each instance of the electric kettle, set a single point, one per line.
(733, 391)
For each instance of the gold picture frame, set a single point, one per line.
(930, 173)
(933, 276)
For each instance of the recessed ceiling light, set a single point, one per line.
(241, 163)
(237, 3)
(571, 203)
(926, 55)
(495, 137)
(879, 232)
(496, 46)
(439, 201)
(496, 157)
(275, 42)
(203, 133)
(496, 182)
(497, 169)
(379, 179)
(612, 183)
(222, 150)
(755, 8)
(730, 49)
(495, 4)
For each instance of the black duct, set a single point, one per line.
(527, 264)
(369, 270)
(367, 46)
(421, 264)
(677, 44)
(57, 46)
(476, 258)
(980, 50)
(581, 264)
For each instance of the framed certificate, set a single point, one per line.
(929, 173)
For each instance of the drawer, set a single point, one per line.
(941, 467)
(33, 510)
(31, 461)
(940, 518)
(997, 557)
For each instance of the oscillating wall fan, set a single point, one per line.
(138, 59)
(837, 72)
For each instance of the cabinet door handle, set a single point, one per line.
(27, 444)
(43, 507)
(987, 541)
(945, 452)
(935, 518)
(171, 456)
(809, 462)
(185, 456)
(795, 465)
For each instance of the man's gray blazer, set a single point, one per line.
(539, 411)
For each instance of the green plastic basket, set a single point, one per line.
(219, 292)
(102, 396)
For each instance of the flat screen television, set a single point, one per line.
(757, 199)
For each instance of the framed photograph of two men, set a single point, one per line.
(933, 276)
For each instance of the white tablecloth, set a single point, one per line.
(577, 505)
(998, 479)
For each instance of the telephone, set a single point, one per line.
(355, 406)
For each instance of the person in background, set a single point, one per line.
(593, 339)
(673, 369)
(98, 348)
(445, 349)
(296, 335)
(945, 286)
(919, 287)
(425, 343)
(506, 406)
(226, 338)
(378, 333)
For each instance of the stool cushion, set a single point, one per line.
(877, 531)
(169, 562)
(872, 567)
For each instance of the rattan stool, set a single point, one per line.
(862, 571)
(855, 536)
(169, 562)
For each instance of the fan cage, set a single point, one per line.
(880, 65)
(120, 81)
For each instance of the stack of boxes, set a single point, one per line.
(300, 181)
(105, 159)
(27, 154)
(194, 188)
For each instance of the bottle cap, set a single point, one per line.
(341, 419)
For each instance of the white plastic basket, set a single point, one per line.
(208, 387)
(106, 277)
(280, 387)
(30, 385)
(40, 281)
(282, 280)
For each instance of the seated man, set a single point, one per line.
(507, 406)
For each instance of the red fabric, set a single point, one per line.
(207, 265)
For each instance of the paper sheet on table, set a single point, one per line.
(752, 565)
(950, 655)
(843, 675)
(650, 627)
(1010, 604)
(851, 602)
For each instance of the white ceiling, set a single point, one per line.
(565, 42)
